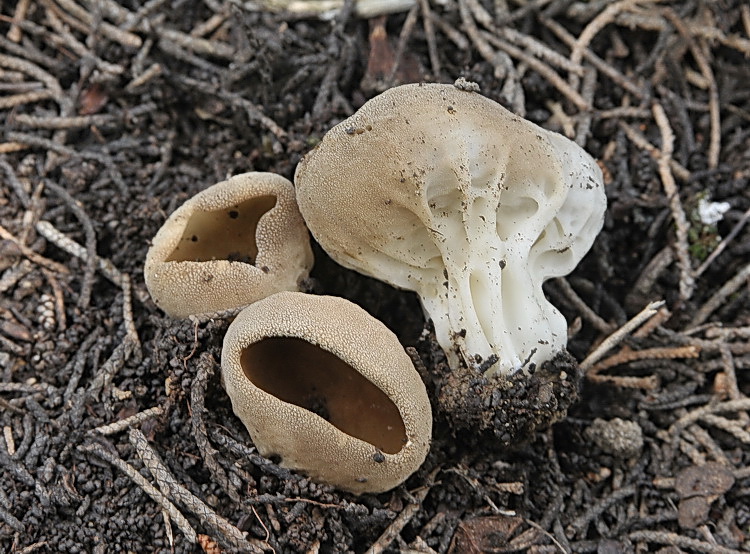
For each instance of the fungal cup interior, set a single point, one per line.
(307, 376)
(225, 234)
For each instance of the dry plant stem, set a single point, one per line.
(59, 295)
(15, 184)
(254, 113)
(542, 68)
(703, 438)
(649, 382)
(581, 523)
(57, 148)
(481, 44)
(31, 255)
(455, 36)
(730, 374)
(127, 312)
(615, 338)
(687, 282)
(720, 296)
(662, 316)
(641, 142)
(723, 244)
(148, 488)
(91, 259)
(714, 147)
(406, 515)
(24, 98)
(406, 31)
(586, 312)
(32, 70)
(429, 31)
(593, 28)
(182, 496)
(73, 122)
(588, 88)
(742, 404)
(107, 30)
(107, 268)
(660, 353)
(675, 540)
(14, 33)
(58, 20)
(602, 66)
(205, 371)
(111, 367)
(135, 419)
(730, 426)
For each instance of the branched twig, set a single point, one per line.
(189, 501)
(205, 370)
(148, 488)
(687, 282)
(135, 419)
(615, 338)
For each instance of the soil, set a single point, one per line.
(114, 113)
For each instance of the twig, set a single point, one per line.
(543, 69)
(398, 524)
(31, 255)
(110, 31)
(107, 268)
(15, 184)
(615, 338)
(189, 501)
(205, 370)
(593, 28)
(91, 259)
(148, 488)
(602, 66)
(687, 282)
(586, 312)
(682, 541)
(714, 147)
(579, 525)
(659, 353)
(642, 142)
(723, 244)
(719, 407)
(73, 122)
(24, 98)
(429, 31)
(135, 419)
(14, 33)
(720, 296)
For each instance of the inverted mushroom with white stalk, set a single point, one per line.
(442, 191)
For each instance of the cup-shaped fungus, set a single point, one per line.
(328, 388)
(440, 190)
(229, 245)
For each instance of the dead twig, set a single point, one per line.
(615, 338)
(205, 370)
(687, 282)
(107, 268)
(720, 296)
(189, 501)
(135, 419)
(406, 515)
(148, 488)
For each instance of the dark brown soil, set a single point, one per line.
(114, 114)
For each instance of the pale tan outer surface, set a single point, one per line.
(185, 288)
(305, 441)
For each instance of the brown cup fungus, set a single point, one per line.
(234, 243)
(326, 387)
